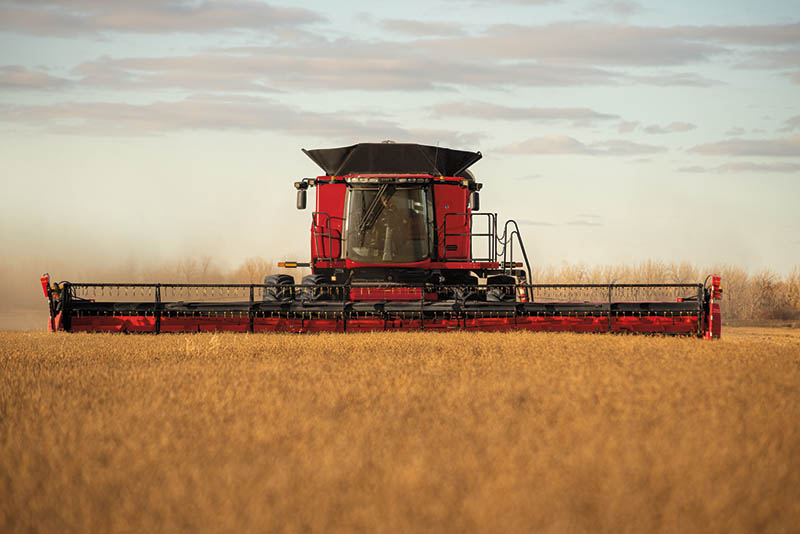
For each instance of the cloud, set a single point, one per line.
(504, 56)
(495, 2)
(779, 58)
(685, 79)
(562, 144)
(795, 77)
(219, 113)
(420, 28)
(337, 65)
(487, 111)
(619, 8)
(736, 131)
(530, 177)
(790, 124)
(580, 43)
(16, 77)
(328, 66)
(781, 147)
(546, 46)
(66, 17)
(627, 126)
(551, 55)
(552, 144)
(575, 53)
(612, 44)
(750, 35)
(745, 166)
(620, 147)
(670, 128)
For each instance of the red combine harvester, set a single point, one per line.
(397, 243)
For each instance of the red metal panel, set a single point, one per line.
(655, 325)
(277, 324)
(490, 324)
(146, 324)
(328, 219)
(424, 264)
(366, 324)
(450, 198)
(563, 324)
(117, 323)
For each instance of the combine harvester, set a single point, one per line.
(397, 243)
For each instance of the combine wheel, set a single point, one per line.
(282, 289)
(501, 288)
(313, 288)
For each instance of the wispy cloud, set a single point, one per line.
(583, 53)
(329, 66)
(495, 2)
(67, 17)
(792, 123)
(421, 28)
(599, 43)
(338, 65)
(745, 166)
(487, 111)
(776, 58)
(16, 77)
(779, 147)
(735, 131)
(562, 144)
(509, 55)
(669, 128)
(617, 8)
(218, 113)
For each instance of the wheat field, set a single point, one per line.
(400, 432)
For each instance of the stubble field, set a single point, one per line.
(400, 432)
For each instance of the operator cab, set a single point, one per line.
(390, 204)
(389, 223)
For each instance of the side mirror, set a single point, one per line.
(475, 201)
(301, 199)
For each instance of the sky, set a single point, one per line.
(613, 131)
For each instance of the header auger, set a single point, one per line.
(397, 243)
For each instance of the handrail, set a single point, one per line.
(490, 234)
(329, 235)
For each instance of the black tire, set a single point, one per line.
(281, 288)
(313, 288)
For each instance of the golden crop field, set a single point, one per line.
(403, 432)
